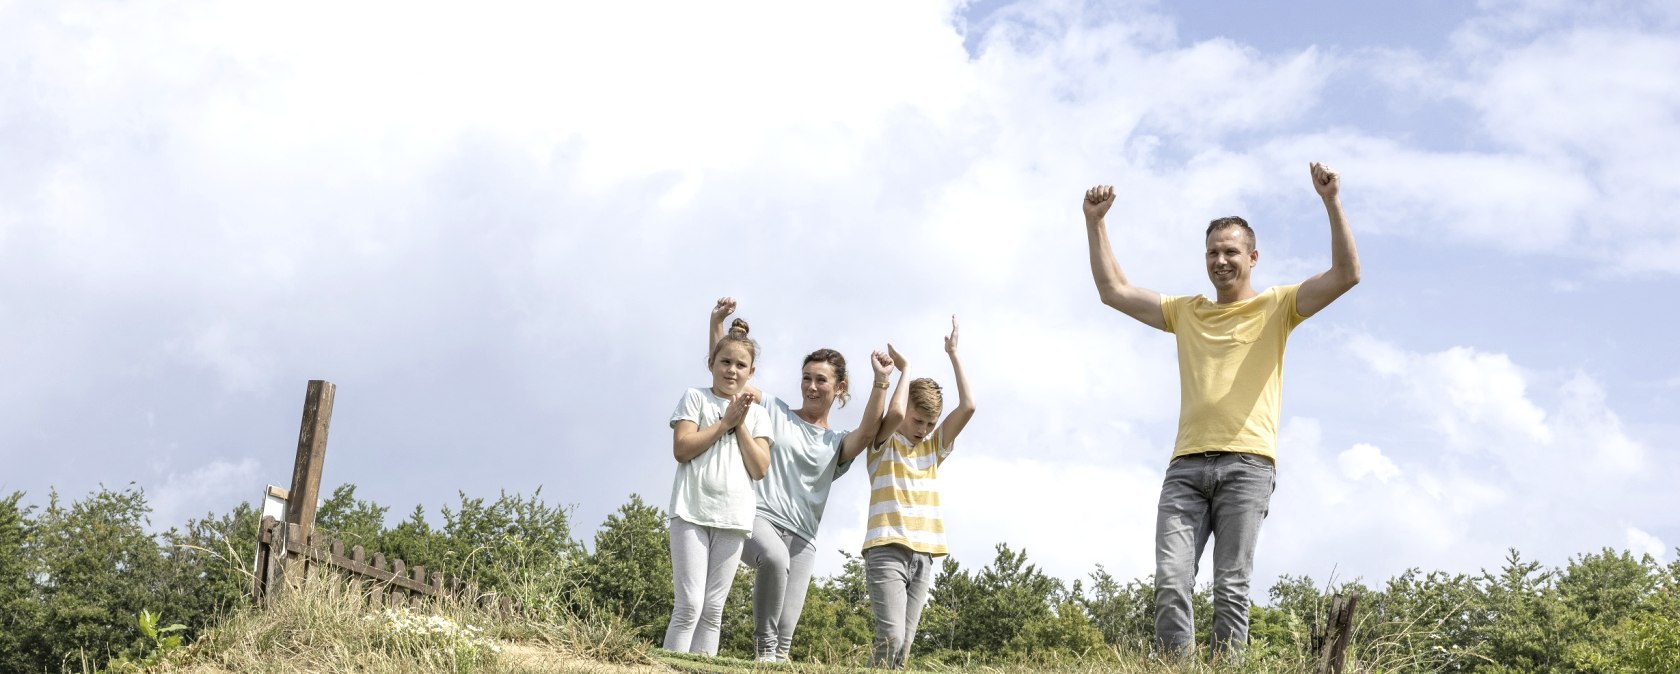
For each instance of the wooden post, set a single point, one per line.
(263, 573)
(311, 452)
(1338, 631)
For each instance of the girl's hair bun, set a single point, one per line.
(738, 335)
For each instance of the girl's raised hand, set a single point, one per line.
(951, 339)
(897, 358)
(881, 363)
(725, 307)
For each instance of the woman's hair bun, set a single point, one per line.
(738, 328)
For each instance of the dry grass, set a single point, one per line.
(326, 624)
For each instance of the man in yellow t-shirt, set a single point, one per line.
(1230, 364)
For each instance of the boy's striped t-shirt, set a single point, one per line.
(904, 494)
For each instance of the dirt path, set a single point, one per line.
(518, 658)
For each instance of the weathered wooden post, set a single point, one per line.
(311, 453)
(299, 521)
(1338, 632)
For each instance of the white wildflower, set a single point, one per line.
(439, 632)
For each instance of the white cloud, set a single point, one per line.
(239, 367)
(1482, 403)
(1554, 434)
(207, 488)
(1476, 400)
(1642, 543)
(1587, 422)
(1362, 460)
(1326, 516)
(1581, 179)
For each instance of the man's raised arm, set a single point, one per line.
(1322, 289)
(1139, 303)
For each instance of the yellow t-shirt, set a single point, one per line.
(1230, 369)
(904, 494)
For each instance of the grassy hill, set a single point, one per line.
(329, 625)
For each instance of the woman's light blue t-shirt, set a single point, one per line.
(804, 460)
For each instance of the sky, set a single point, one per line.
(498, 228)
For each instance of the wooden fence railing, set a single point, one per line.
(293, 542)
(394, 583)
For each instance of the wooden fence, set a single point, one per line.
(395, 583)
(292, 546)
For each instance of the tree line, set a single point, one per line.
(74, 577)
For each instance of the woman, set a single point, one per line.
(805, 457)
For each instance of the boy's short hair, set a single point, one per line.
(926, 398)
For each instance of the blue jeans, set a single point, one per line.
(1225, 495)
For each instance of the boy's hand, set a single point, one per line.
(725, 307)
(1325, 181)
(897, 358)
(1097, 201)
(737, 410)
(951, 339)
(882, 364)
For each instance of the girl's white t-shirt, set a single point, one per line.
(713, 489)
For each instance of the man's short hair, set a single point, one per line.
(1228, 222)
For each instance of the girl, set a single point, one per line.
(806, 455)
(721, 445)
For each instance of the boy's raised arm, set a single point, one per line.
(959, 416)
(900, 400)
(859, 440)
(1142, 304)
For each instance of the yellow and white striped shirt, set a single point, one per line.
(904, 494)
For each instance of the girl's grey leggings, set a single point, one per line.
(703, 563)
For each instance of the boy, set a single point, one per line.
(905, 532)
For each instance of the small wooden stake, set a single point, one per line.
(1338, 632)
